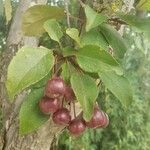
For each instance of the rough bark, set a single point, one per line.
(10, 139)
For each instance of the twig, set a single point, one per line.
(73, 17)
(118, 21)
(67, 12)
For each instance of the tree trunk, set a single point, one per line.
(10, 139)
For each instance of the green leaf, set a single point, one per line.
(142, 24)
(92, 59)
(144, 5)
(29, 66)
(42, 82)
(115, 40)
(94, 37)
(86, 92)
(8, 10)
(118, 85)
(35, 16)
(30, 117)
(54, 30)
(68, 51)
(74, 34)
(93, 18)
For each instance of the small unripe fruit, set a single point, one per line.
(49, 105)
(97, 120)
(77, 126)
(55, 87)
(69, 94)
(62, 116)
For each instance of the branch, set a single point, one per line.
(118, 21)
(67, 12)
(81, 3)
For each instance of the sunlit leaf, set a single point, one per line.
(74, 34)
(8, 10)
(28, 67)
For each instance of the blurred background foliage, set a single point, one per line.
(128, 129)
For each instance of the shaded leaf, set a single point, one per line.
(115, 40)
(54, 30)
(30, 117)
(29, 66)
(118, 85)
(67, 70)
(86, 92)
(93, 18)
(68, 51)
(35, 16)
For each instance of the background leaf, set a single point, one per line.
(86, 92)
(118, 85)
(1, 8)
(92, 59)
(54, 30)
(30, 116)
(74, 34)
(34, 18)
(29, 66)
(8, 10)
(93, 18)
(144, 5)
(115, 40)
(142, 24)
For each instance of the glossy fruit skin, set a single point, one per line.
(97, 120)
(106, 121)
(77, 127)
(55, 87)
(49, 105)
(69, 94)
(62, 116)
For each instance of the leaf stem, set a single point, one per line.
(74, 111)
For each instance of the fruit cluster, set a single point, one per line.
(56, 92)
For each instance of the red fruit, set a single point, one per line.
(77, 126)
(49, 105)
(106, 121)
(97, 120)
(62, 116)
(69, 94)
(55, 87)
